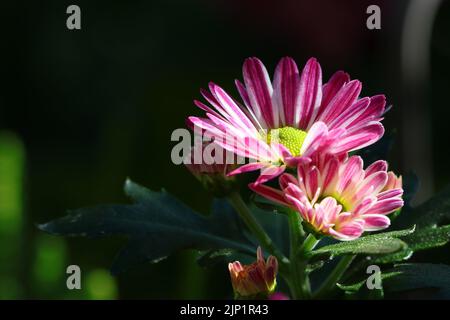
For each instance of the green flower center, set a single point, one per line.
(289, 137)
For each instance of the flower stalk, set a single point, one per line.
(330, 283)
(296, 234)
(299, 259)
(263, 238)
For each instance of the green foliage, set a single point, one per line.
(428, 238)
(412, 276)
(381, 243)
(276, 225)
(407, 277)
(430, 233)
(211, 257)
(421, 239)
(273, 222)
(156, 224)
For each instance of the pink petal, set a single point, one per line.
(393, 182)
(243, 93)
(268, 173)
(314, 138)
(373, 112)
(285, 179)
(269, 193)
(331, 209)
(286, 88)
(237, 117)
(371, 185)
(332, 87)
(332, 139)
(259, 90)
(343, 100)
(296, 161)
(379, 165)
(350, 230)
(259, 254)
(350, 114)
(232, 139)
(351, 174)
(258, 122)
(301, 207)
(285, 153)
(310, 94)
(364, 205)
(330, 175)
(357, 140)
(312, 182)
(229, 127)
(247, 167)
(207, 125)
(204, 107)
(295, 191)
(389, 194)
(374, 222)
(264, 152)
(210, 98)
(386, 206)
(190, 124)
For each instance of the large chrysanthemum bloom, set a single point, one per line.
(256, 280)
(337, 197)
(286, 122)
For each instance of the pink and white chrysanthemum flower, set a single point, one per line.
(337, 197)
(286, 122)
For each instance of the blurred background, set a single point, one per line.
(81, 110)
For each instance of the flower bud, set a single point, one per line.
(254, 281)
(211, 169)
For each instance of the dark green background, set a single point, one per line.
(97, 105)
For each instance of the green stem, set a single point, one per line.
(330, 283)
(299, 284)
(296, 232)
(254, 226)
(301, 259)
(296, 235)
(309, 244)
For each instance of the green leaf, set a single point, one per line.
(212, 257)
(361, 284)
(419, 275)
(381, 243)
(314, 266)
(363, 292)
(276, 225)
(156, 224)
(428, 238)
(407, 277)
(421, 239)
(401, 255)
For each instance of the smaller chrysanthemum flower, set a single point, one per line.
(284, 122)
(211, 168)
(337, 197)
(257, 280)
